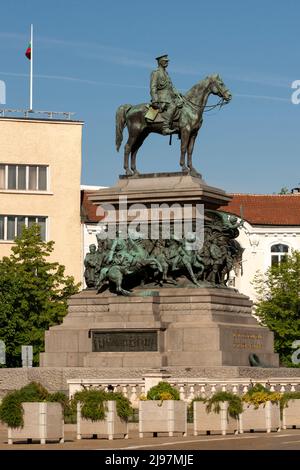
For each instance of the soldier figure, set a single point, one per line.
(163, 94)
(92, 262)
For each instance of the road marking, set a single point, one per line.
(289, 442)
(190, 442)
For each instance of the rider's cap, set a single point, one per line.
(165, 57)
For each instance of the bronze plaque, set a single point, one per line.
(124, 341)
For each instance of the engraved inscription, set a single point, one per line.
(124, 341)
(247, 341)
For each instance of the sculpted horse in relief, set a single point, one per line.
(186, 125)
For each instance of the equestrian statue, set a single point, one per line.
(169, 113)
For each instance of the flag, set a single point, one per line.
(28, 51)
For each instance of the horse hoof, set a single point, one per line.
(135, 173)
(128, 173)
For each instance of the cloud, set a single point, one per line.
(72, 79)
(263, 97)
(132, 58)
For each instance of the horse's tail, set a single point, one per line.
(121, 123)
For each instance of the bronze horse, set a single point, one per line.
(186, 126)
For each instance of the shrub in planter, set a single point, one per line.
(290, 409)
(162, 411)
(163, 391)
(234, 408)
(261, 409)
(11, 411)
(100, 412)
(220, 412)
(24, 420)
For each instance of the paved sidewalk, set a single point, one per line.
(283, 440)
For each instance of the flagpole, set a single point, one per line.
(31, 67)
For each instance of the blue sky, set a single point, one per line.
(93, 55)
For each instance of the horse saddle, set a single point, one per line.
(157, 116)
(153, 115)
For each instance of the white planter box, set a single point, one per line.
(264, 418)
(213, 422)
(291, 414)
(42, 421)
(110, 427)
(168, 416)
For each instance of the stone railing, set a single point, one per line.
(191, 388)
(131, 388)
(188, 388)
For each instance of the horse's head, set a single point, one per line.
(218, 88)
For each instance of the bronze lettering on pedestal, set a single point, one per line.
(124, 341)
(247, 341)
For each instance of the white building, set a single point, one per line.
(271, 231)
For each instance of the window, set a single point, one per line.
(279, 253)
(1, 227)
(2, 176)
(11, 225)
(24, 177)
(12, 177)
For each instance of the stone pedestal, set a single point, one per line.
(182, 326)
(162, 188)
(163, 327)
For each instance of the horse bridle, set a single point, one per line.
(220, 103)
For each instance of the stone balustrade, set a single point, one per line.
(130, 388)
(188, 388)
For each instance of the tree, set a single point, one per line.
(284, 190)
(33, 295)
(278, 305)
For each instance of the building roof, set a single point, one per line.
(266, 209)
(257, 209)
(88, 210)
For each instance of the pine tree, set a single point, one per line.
(278, 305)
(33, 295)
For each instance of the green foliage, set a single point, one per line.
(284, 190)
(258, 387)
(235, 406)
(33, 295)
(163, 391)
(287, 396)
(63, 399)
(278, 305)
(11, 410)
(259, 395)
(124, 408)
(93, 404)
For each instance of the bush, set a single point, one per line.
(93, 404)
(286, 397)
(235, 406)
(11, 410)
(259, 395)
(163, 391)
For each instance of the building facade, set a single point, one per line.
(271, 231)
(40, 170)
